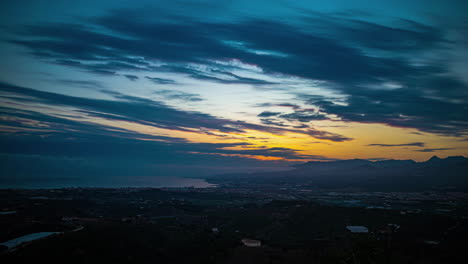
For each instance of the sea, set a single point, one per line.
(108, 182)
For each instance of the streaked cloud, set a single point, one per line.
(433, 149)
(412, 144)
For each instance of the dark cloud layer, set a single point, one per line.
(304, 116)
(160, 80)
(179, 95)
(350, 54)
(69, 144)
(408, 108)
(433, 149)
(412, 144)
(141, 111)
(320, 134)
(268, 114)
(131, 77)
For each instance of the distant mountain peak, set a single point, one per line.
(395, 175)
(389, 163)
(456, 157)
(434, 160)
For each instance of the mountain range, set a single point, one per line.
(450, 173)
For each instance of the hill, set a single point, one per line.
(384, 175)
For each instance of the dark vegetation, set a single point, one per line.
(156, 226)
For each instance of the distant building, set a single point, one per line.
(215, 230)
(357, 229)
(251, 242)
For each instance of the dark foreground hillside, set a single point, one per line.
(190, 226)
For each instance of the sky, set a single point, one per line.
(194, 88)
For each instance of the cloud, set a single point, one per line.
(327, 135)
(133, 109)
(56, 146)
(272, 122)
(287, 105)
(416, 36)
(213, 71)
(139, 111)
(304, 116)
(278, 152)
(433, 149)
(25, 122)
(85, 156)
(375, 66)
(268, 114)
(81, 83)
(412, 144)
(408, 108)
(309, 52)
(160, 80)
(131, 77)
(179, 95)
